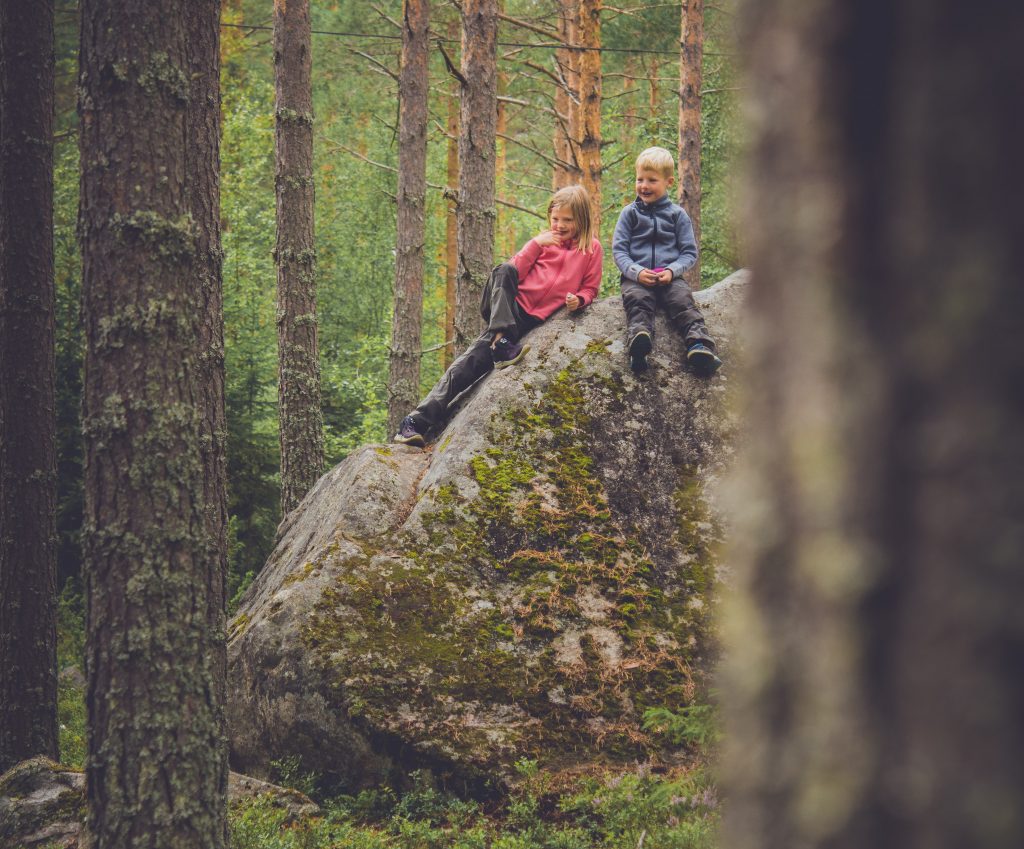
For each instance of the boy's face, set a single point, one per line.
(651, 185)
(562, 222)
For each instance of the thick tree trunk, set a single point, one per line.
(299, 412)
(588, 132)
(153, 661)
(407, 320)
(202, 185)
(875, 693)
(28, 545)
(691, 58)
(476, 164)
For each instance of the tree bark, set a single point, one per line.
(451, 228)
(28, 485)
(154, 772)
(691, 57)
(299, 410)
(202, 185)
(566, 98)
(476, 164)
(874, 691)
(588, 125)
(407, 320)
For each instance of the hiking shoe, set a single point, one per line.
(507, 353)
(639, 347)
(408, 434)
(702, 359)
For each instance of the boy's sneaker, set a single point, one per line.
(639, 347)
(507, 353)
(702, 359)
(408, 434)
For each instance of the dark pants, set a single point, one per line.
(675, 298)
(503, 315)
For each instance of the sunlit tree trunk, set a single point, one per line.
(28, 486)
(691, 57)
(407, 320)
(874, 693)
(299, 412)
(476, 164)
(154, 772)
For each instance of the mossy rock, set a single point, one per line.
(529, 587)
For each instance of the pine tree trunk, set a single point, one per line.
(407, 320)
(691, 57)
(588, 133)
(875, 693)
(476, 164)
(28, 544)
(202, 185)
(451, 228)
(299, 411)
(154, 773)
(566, 62)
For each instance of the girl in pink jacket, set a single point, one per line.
(560, 266)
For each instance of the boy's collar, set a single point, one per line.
(662, 201)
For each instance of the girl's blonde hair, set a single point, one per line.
(577, 200)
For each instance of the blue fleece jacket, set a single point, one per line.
(655, 235)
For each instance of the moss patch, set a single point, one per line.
(530, 621)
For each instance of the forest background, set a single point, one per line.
(356, 47)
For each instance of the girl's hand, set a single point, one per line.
(547, 237)
(573, 302)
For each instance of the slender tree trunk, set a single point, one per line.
(476, 164)
(28, 544)
(653, 92)
(406, 324)
(154, 774)
(451, 226)
(299, 412)
(566, 63)
(202, 185)
(875, 694)
(588, 133)
(691, 57)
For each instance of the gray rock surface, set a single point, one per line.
(525, 587)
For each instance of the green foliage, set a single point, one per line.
(71, 653)
(696, 725)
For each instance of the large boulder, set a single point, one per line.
(524, 588)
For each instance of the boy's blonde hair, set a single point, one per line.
(577, 200)
(656, 159)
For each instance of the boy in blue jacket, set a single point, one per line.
(653, 247)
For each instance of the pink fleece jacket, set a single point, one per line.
(547, 274)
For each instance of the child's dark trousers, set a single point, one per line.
(503, 315)
(675, 298)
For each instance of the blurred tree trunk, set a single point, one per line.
(476, 164)
(874, 689)
(299, 412)
(154, 774)
(587, 133)
(407, 319)
(202, 185)
(28, 487)
(691, 58)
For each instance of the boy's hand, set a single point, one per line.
(664, 277)
(573, 302)
(647, 278)
(547, 237)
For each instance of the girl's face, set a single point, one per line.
(563, 224)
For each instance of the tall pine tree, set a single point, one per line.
(155, 768)
(28, 558)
